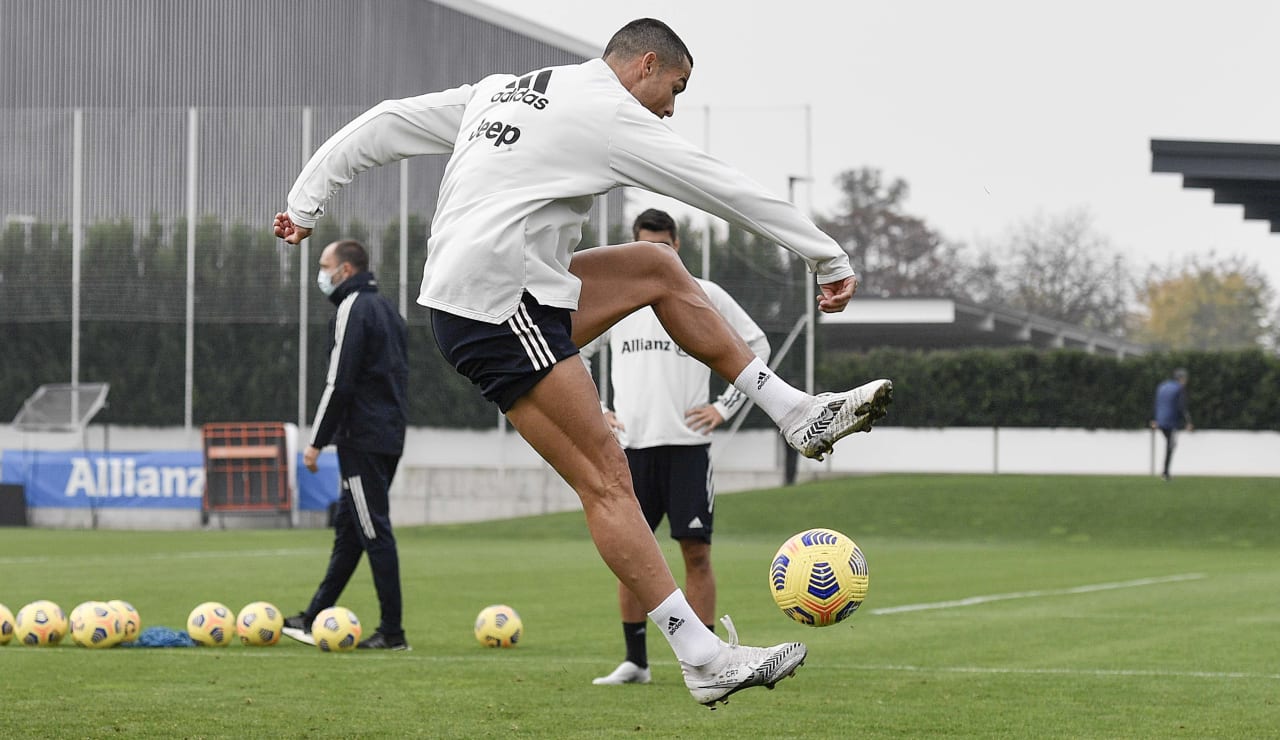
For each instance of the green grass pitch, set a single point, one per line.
(1071, 607)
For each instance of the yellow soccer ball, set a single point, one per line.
(212, 624)
(40, 624)
(259, 624)
(499, 626)
(336, 630)
(818, 577)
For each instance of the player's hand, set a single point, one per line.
(309, 458)
(284, 228)
(835, 296)
(703, 419)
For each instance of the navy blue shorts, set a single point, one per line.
(675, 480)
(506, 360)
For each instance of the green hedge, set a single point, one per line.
(249, 371)
(1029, 388)
(241, 372)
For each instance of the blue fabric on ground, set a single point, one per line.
(161, 637)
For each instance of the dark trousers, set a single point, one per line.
(363, 525)
(1170, 437)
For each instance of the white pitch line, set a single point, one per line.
(1098, 672)
(508, 658)
(972, 600)
(77, 559)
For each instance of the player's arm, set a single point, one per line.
(645, 153)
(390, 131)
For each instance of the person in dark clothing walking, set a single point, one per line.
(1171, 413)
(363, 412)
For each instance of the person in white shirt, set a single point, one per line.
(664, 422)
(511, 299)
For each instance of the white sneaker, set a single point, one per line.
(301, 636)
(626, 672)
(833, 416)
(738, 667)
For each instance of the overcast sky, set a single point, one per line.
(992, 110)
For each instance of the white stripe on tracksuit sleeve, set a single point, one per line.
(335, 358)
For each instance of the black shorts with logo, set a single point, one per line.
(506, 360)
(675, 480)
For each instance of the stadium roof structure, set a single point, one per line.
(523, 26)
(947, 323)
(1241, 173)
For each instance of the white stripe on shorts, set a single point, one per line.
(535, 345)
(362, 507)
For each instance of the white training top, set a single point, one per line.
(528, 155)
(655, 383)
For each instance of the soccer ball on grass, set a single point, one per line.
(129, 616)
(499, 626)
(40, 623)
(336, 630)
(818, 577)
(6, 624)
(211, 624)
(96, 624)
(259, 624)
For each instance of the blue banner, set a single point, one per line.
(319, 489)
(152, 480)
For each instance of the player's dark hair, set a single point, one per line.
(353, 253)
(644, 35)
(654, 220)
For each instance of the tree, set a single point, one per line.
(1206, 304)
(894, 253)
(1059, 267)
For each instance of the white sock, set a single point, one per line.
(692, 642)
(772, 394)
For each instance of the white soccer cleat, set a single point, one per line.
(738, 667)
(833, 416)
(626, 672)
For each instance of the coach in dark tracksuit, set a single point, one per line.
(363, 413)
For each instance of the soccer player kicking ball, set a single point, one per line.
(511, 300)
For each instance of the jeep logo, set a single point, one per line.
(501, 133)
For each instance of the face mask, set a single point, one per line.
(325, 282)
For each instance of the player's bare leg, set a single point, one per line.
(560, 418)
(699, 579)
(617, 280)
(699, 585)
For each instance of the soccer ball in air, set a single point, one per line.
(818, 577)
(499, 626)
(212, 624)
(129, 616)
(336, 630)
(96, 624)
(6, 624)
(40, 623)
(259, 624)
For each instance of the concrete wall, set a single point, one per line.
(459, 476)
